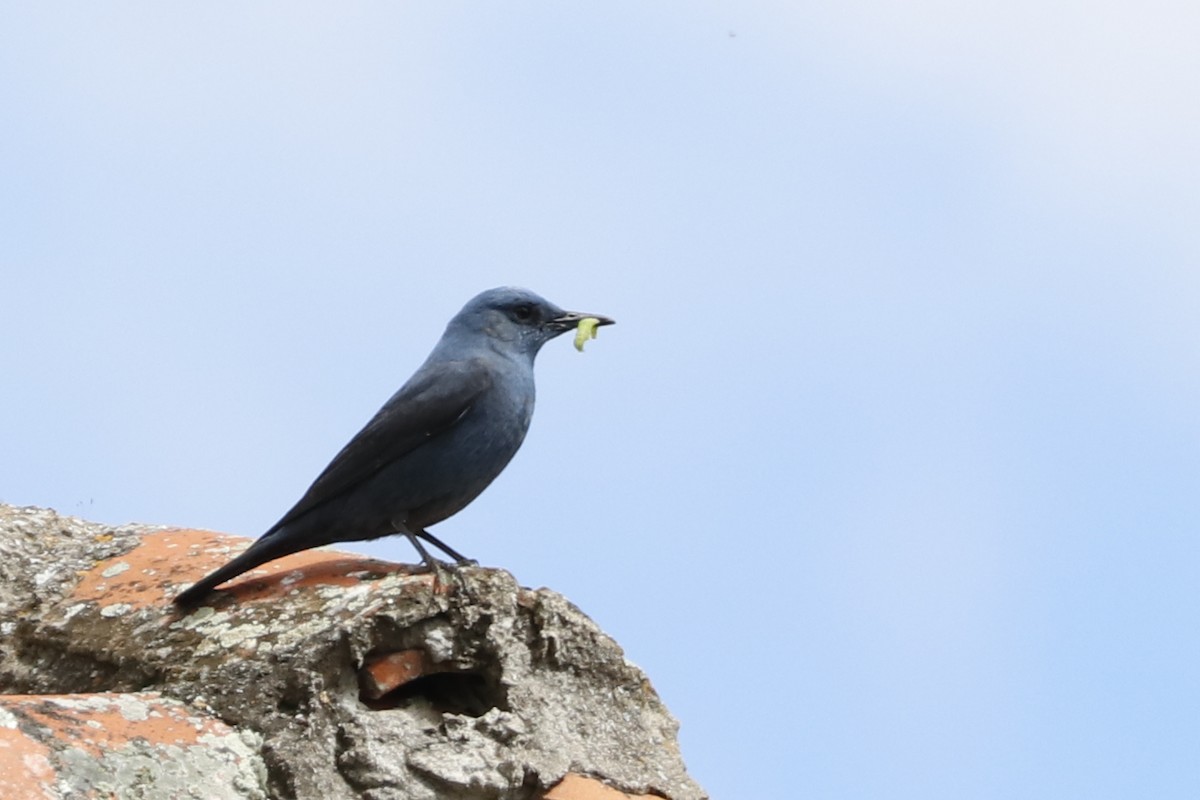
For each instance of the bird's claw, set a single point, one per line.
(447, 574)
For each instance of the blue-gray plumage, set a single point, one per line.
(433, 447)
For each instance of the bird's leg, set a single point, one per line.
(437, 568)
(427, 560)
(459, 559)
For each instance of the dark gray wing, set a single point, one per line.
(437, 397)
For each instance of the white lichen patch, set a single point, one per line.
(73, 610)
(252, 740)
(194, 619)
(46, 575)
(115, 569)
(342, 600)
(248, 648)
(223, 631)
(116, 610)
(7, 720)
(303, 630)
(439, 643)
(292, 577)
(82, 703)
(219, 766)
(233, 636)
(133, 709)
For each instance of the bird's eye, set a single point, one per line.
(523, 312)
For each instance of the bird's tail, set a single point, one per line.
(271, 546)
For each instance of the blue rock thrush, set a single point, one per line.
(433, 447)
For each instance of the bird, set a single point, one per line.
(433, 447)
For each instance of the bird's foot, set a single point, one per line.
(447, 574)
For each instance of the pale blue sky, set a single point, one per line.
(889, 475)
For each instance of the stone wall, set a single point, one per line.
(322, 675)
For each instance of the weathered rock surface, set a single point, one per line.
(323, 675)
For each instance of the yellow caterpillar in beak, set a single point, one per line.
(585, 331)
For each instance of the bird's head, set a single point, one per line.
(517, 319)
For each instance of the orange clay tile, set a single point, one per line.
(98, 722)
(24, 765)
(580, 787)
(382, 674)
(150, 574)
(43, 736)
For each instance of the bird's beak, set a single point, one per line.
(570, 320)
